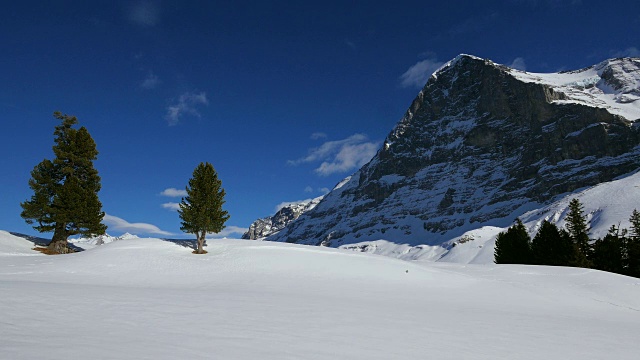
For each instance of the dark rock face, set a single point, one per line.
(477, 147)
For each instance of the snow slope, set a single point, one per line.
(606, 204)
(152, 299)
(613, 85)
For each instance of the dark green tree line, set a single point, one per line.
(618, 251)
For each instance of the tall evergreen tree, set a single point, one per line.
(551, 246)
(201, 210)
(576, 224)
(633, 245)
(65, 190)
(513, 246)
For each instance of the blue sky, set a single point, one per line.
(284, 98)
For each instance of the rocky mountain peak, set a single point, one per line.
(622, 75)
(479, 145)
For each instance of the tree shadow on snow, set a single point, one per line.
(188, 243)
(38, 241)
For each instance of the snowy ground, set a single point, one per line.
(153, 299)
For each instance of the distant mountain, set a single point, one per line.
(100, 240)
(270, 225)
(480, 145)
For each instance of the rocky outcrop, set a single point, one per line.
(479, 145)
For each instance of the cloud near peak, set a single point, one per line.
(418, 74)
(628, 52)
(340, 155)
(518, 64)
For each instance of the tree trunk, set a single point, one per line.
(58, 244)
(200, 250)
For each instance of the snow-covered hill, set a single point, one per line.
(153, 299)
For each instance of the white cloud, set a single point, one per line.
(150, 82)
(308, 189)
(173, 192)
(116, 223)
(327, 149)
(228, 231)
(518, 64)
(628, 52)
(186, 104)
(144, 13)
(341, 155)
(349, 157)
(418, 74)
(171, 206)
(324, 190)
(318, 135)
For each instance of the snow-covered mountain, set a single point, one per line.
(479, 146)
(270, 225)
(88, 242)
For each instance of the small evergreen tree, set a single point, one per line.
(635, 224)
(513, 246)
(551, 246)
(576, 224)
(65, 190)
(201, 210)
(608, 252)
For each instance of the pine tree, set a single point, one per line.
(513, 246)
(633, 245)
(65, 190)
(608, 252)
(576, 224)
(551, 246)
(201, 210)
(635, 224)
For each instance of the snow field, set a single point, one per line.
(152, 299)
